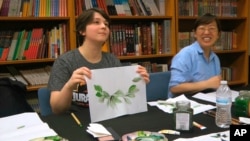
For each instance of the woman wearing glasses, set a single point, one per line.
(196, 67)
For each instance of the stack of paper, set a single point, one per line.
(211, 97)
(220, 136)
(98, 130)
(24, 127)
(169, 104)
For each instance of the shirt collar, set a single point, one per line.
(200, 50)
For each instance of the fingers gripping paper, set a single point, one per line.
(115, 92)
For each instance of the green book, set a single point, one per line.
(18, 45)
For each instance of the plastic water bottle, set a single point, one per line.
(223, 105)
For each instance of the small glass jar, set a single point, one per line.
(183, 116)
(242, 104)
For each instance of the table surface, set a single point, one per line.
(152, 120)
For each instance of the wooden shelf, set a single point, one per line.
(237, 58)
(27, 61)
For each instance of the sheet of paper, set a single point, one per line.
(220, 136)
(169, 104)
(115, 92)
(98, 130)
(24, 127)
(211, 97)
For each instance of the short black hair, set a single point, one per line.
(207, 19)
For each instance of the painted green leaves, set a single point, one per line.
(119, 96)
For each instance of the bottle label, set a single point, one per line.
(182, 121)
(223, 101)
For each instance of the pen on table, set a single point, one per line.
(199, 125)
(76, 119)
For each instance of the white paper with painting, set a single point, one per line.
(114, 92)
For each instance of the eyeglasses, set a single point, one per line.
(210, 29)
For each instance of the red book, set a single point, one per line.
(103, 2)
(5, 53)
(36, 37)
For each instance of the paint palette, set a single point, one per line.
(144, 136)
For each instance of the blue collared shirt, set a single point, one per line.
(190, 65)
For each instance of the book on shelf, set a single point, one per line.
(20, 47)
(151, 67)
(100, 5)
(161, 6)
(5, 8)
(184, 38)
(1, 3)
(133, 8)
(80, 6)
(150, 7)
(23, 8)
(5, 43)
(155, 67)
(16, 74)
(126, 7)
(152, 35)
(32, 77)
(13, 46)
(226, 73)
(38, 76)
(30, 9)
(88, 4)
(34, 43)
(225, 8)
(7, 74)
(141, 7)
(166, 36)
(119, 8)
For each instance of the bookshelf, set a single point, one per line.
(54, 19)
(134, 22)
(237, 58)
(234, 17)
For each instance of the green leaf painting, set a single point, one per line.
(119, 96)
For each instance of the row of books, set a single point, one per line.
(227, 40)
(40, 76)
(150, 66)
(227, 73)
(216, 7)
(33, 44)
(124, 7)
(33, 8)
(140, 39)
(29, 77)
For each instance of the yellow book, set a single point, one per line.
(41, 8)
(25, 8)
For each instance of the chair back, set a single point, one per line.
(44, 101)
(157, 88)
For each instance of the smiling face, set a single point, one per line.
(207, 34)
(207, 31)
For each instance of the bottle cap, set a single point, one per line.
(183, 103)
(223, 82)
